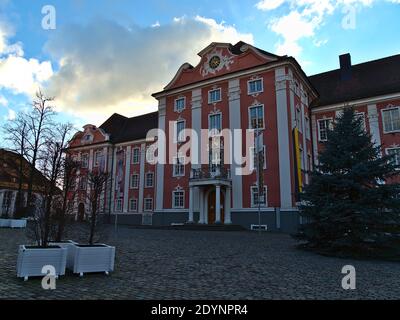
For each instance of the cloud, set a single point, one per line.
(3, 101)
(304, 18)
(18, 74)
(267, 5)
(11, 115)
(106, 67)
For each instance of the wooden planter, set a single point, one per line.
(5, 223)
(18, 223)
(96, 258)
(31, 260)
(70, 246)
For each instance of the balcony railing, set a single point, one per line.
(211, 173)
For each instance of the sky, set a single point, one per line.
(98, 57)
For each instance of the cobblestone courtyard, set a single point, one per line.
(167, 264)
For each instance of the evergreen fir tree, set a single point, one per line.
(352, 205)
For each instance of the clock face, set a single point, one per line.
(215, 62)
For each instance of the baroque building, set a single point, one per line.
(194, 161)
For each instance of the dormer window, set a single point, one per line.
(180, 104)
(87, 138)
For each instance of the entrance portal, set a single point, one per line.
(212, 207)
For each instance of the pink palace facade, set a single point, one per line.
(233, 87)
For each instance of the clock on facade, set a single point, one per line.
(215, 62)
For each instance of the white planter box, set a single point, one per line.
(20, 223)
(96, 258)
(70, 246)
(31, 261)
(5, 223)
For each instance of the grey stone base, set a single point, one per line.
(283, 221)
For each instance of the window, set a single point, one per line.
(254, 197)
(214, 124)
(308, 129)
(133, 205)
(180, 104)
(98, 157)
(148, 204)
(395, 152)
(136, 155)
(298, 120)
(178, 199)
(214, 96)
(301, 159)
(134, 181)
(149, 180)
(118, 205)
(253, 159)
(361, 115)
(179, 166)
(323, 126)
(391, 120)
(256, 117)
(255, 86)
(8, 195)
(83, 183)
(180, 131)
(85, 160)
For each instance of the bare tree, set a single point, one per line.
(16, 137)
(51, 165)
(39, 122)
(97, 181)
(69, 190)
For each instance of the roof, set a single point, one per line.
(9, 167)
(237, 49)
(369, 79)
(123, 129)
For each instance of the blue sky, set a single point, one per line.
(108, 56)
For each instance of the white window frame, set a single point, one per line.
(209, 96)
(302, 164)
(255, 92)
(175, 104)
(249, 115)
(319, 127)
(252, 156)
(131, 186)
(85, 155)
(133, 155)
(383, 119)
(254, 205)
(362, 114)
(179, 138)
(298, 116)
(308, 127)
(174, 174)
(118, 208)
(97, 158)
(144, 204)
(130, 205)
(146, 185)
(209, 123)
(174, 202)
(394, 148)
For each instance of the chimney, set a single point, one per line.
(345, 66)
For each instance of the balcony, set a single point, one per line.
(211, 175)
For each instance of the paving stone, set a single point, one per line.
(170, 264)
